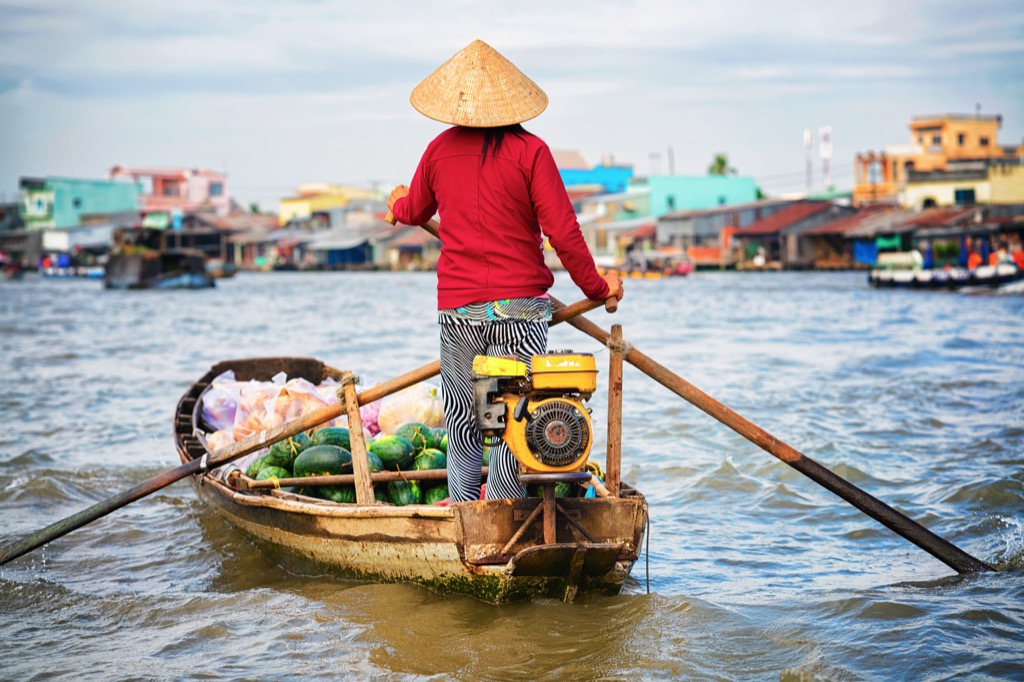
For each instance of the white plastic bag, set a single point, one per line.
(419, 403)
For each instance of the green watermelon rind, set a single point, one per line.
(402, 493)
(322, 460)
(420, 435)
(273, 472)
(333, 435)
(395, 452)
(436, 494)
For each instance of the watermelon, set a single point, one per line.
(257, 465)
(420, 435)
(403, 493)
(380, 494)
(345, 494)
(440, 440)
(395, 452)
(376, 463)
(333, 435)
(435, 495)
(322, 460)
(562, 489)
(273, 472)
(290, 447)
(278, 457)
(430, 459)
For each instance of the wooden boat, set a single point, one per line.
(496, 550)
(991, 276)
(141, 259)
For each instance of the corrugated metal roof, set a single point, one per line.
(729, 208)
(783, 219)
(871, 215)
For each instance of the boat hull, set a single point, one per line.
(991, 276)
(160, 270)
(493, 550)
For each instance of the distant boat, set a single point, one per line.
(138, 261)
(904, 270)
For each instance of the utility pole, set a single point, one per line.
(671, 161)
(809, 155)
(655, 158)
(826, 156)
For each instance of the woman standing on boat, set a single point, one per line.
(494, 187)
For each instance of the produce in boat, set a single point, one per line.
(273, 472)
(291, 447)
(322, 460)
(419, 403)
(402, 493)
(436, 494)
(394, 451)
(420, 435)
(333, 435)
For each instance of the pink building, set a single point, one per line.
(185, 189)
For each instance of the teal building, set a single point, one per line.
(669, 193)
(61, 203)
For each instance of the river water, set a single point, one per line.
(752, 571)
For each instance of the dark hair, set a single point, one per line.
(494, 136)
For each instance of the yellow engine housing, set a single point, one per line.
(556, 438)
(539, 413)
(575, 372)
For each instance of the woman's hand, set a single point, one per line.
(397, 193)
(614, 286)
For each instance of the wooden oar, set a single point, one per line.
(252, 443)
(941, 549)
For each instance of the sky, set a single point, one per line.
(278, 94)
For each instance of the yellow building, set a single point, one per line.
(321, 197)
(949, 157)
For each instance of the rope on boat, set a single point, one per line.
(346, 379)
(622, 346)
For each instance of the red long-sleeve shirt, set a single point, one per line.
(492, 214)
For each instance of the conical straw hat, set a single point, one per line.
(478, 88)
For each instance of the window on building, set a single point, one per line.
(875, 174)
(170, 188)
(960, 139)
(936, 139)
(963, 196)
(216, 189)
(721, 200)
(77, 202)
(671, 201)
(983, 141)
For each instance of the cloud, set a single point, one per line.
(290, 92)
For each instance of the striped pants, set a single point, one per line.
(459, 345)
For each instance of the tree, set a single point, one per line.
(720, 166)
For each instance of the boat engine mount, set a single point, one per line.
(539, 413)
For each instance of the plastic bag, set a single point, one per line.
(418, 403)
(221, 402)
(266, 406)
(328, 390)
